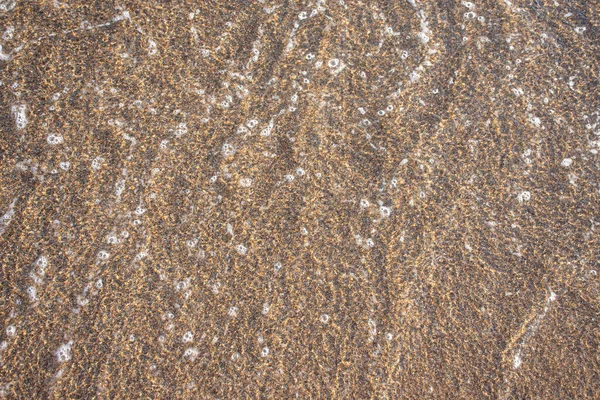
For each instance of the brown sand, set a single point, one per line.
(315, 200)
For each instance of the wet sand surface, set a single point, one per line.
(300, 199)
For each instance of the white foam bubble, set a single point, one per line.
(11, 331)
(19, 113)
(63, 353)
(32, 293)
(54, 139)
(187, 337)
(191, 353)
(241, 249)
(228, 150)
(245, 182)
(181, 130)
(266, 308)
(517, 361)
(7, 217)
(566, 162)
(8, 33)
(524, 196)
(232, 312)
(385, 211)
(103, 255)
(97, 163)
(152, 49)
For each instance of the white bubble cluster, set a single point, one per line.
(191, 353)
(63, 353)
(385, 211)
(19, 113)
(152, 49)
(11, 331)
(181, 130)
(103, 255)
(566, 162)
(54, 139)
(266, 308)
(524, 196)
(32, 293)
(187, 337)
(228, 150)
(245, 182)
(97, 163)
(241, 249)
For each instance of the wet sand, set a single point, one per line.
(314, 200)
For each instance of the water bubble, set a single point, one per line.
(42, 263)
(277, 267)
(152, 49)
(97, 163)
(385, 211)
(103, 255)
(245, 182)
(32, 292)
(63, 353)
(11, 331)
(228, 150)
(524, 196)
(241, 249)
(324, 318)
(19, 113)
(265, 352)
(187, 337)
(566, 162)
(181, 130)
(191, 353)
(55, 139)
(140, 210)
